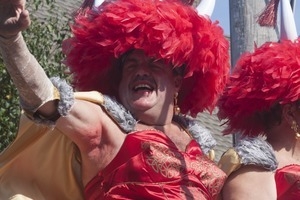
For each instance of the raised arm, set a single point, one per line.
(84, 122)
(34, 87)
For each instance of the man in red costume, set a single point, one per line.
(154, 63)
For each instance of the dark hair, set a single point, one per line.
(179, 70)
(176, 70)
(271, 117)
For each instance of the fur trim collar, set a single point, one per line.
(127, 123)
(256, 151)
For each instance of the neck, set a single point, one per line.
(154, 117)
(285, 145)
(154, 124)
(167, 128)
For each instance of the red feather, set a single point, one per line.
(168, 30)
(260, 80)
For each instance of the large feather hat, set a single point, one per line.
(164, 29)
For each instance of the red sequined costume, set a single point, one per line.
(149, 166)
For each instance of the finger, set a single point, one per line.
(24, 19)
(15, 24)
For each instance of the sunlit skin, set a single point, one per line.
(148, 87)
(19, 17)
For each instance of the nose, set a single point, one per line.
(143, 69)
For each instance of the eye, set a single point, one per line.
(129, 66)
(157, 65)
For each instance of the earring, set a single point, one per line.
(176, 107)
(294, 127)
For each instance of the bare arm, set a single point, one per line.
(33, 85)
(250, 183)
(37, 93)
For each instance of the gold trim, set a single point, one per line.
(56, 94)
(92, 96)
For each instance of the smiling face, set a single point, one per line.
(147, 85)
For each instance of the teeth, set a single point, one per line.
(142, 86)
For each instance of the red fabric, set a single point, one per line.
(288, 182)
(167, 30)
(149, 166)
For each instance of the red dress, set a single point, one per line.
(288, 182)
(149, 166)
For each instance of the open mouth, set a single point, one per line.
(143, 87)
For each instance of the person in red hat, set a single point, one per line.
(151, 66)
(261, 103)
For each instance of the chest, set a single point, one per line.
(180, 139)
(150, 160)
(175, 134)
(151, 154)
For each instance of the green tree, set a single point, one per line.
(44, 39)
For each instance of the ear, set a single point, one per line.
(288, 113)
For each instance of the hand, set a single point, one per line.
(13, 17)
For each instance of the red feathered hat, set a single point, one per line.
(260, 80)
(164, 29)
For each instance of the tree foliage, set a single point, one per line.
(44, 39)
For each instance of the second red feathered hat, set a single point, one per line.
(260, 80)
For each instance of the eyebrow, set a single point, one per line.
(130, 59)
